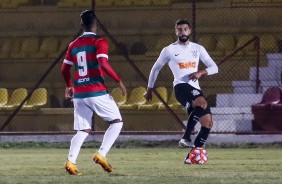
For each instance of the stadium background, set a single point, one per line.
(241, 36)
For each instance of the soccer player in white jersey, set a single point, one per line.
(183, 59)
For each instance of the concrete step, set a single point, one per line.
(237, 100)
(231, 120)
(249, 87)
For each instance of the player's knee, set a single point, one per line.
(210, 125)
(200, 102)
(204, 115)
(200, 111)
(120, 124)
(117, 126)
(207, 123)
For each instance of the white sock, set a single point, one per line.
(109, 138)
(76, 143)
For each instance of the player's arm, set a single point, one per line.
(102, 57)
(161, 61)
(211, 69)
(107, 68)
(65, 70)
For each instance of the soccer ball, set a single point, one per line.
(198, 156)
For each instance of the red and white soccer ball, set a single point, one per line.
(198, 156)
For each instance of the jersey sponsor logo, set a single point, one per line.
(83, 80)
(186, 65)
(195, 92)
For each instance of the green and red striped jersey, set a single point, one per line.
(89, 55)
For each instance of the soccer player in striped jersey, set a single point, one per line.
(89, 55)
(183, 59)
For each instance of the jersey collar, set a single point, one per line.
(182, 44)
(87, 33)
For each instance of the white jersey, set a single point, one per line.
(182, 60)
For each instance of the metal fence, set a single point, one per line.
(242, 36)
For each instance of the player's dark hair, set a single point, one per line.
(88, 18)
(181, 22)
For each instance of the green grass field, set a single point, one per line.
(154, 164)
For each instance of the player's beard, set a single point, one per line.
(183, 38)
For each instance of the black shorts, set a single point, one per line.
(186, 94)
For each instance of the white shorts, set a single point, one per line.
(104, 106)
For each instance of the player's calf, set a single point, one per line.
(205, 119)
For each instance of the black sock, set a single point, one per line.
(192, 121)
(202, 137)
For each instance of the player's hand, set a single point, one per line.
(148, 94)
(69, 93)
(196, 75)
(123, 88)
